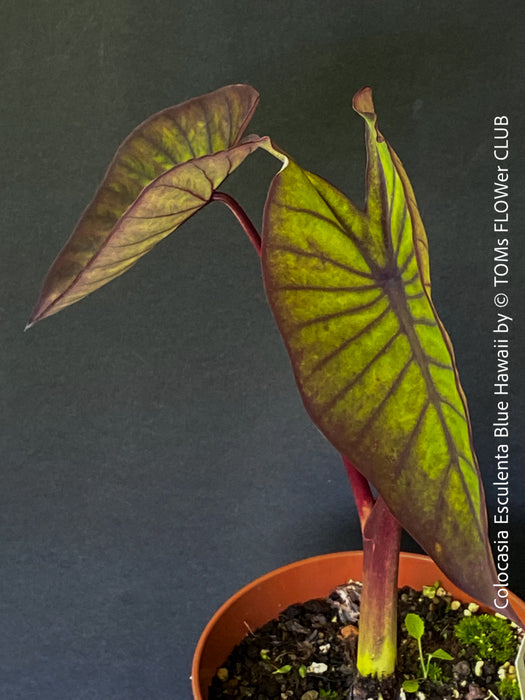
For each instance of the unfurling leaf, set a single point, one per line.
(350, 290)
(165, 171)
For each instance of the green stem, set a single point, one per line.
(377, 642)
(422, 659)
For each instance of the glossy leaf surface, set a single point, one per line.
(350, 290)
(165, 171)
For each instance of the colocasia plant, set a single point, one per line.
(350, 291)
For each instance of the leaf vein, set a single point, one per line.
(312, 288)
(401, 466)
(323, 258)
(183, 189)
(437, 363)
(348, 232)
(340, 348)
(162, 216)
(208, 178)
(142, 240)
(384, 401)
(424, 322)
(451, 405)
(405, 265)
(158, 146)
(338, 314)
(349, 385)
(313, 213)
(401, 231)
(83, 284)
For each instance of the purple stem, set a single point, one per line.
(242, 218)
(360, 486)
(376, 652)
(364, 499)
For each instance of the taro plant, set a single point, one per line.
(350, 290)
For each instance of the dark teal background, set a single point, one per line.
(155, 455)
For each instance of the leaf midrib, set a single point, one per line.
(396, 294)
(397, 298)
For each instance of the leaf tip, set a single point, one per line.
(33, 319)
(37, 314)
(363, 102)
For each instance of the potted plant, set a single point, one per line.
(350, 291)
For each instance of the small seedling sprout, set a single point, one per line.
(278, 670)
(416, 628)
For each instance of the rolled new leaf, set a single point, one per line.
(165, 171)
(350, 290)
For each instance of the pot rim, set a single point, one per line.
(406, 559)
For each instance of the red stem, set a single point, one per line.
(242, 218)
(364, 499)
(360, 486)
(376, 651)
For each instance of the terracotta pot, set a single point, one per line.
(264, 598)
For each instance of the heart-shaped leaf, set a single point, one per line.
(350, 291)
(165, 171)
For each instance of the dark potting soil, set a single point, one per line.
(309, 653)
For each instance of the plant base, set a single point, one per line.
(309, 652)
(267, 597)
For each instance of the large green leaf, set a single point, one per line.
(165, 171)
(350, 290)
